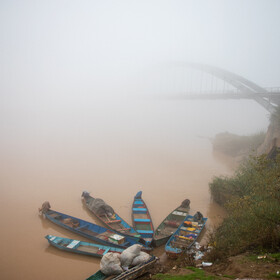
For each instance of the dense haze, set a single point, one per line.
(57, 57)
(85, 104)
(57, 49)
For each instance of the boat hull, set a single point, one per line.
(184, 237)
(169, 225)
(91, 231)
(113, 222)
(141, 219)
(81, 247)
(160, 242)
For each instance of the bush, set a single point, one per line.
(252, 200)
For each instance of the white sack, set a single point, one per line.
(110, 264)
(129, 254)
(143, 257)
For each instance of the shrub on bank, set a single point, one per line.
(252, 200)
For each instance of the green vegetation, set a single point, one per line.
(265, 257)
(275, 256)
(229, 276)
(274, 275)
(235, 145)
(197, 274)
(252, 200)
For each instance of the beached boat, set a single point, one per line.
(107, 215)
(185, 236)
(93, 231)
(130, 274)
(141, 218)
(81, 247)
(169, 225)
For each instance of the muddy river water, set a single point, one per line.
(53, 151)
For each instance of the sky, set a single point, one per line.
(59, 47)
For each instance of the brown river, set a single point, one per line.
(53, 150)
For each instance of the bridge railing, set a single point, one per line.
(214, 92)
(273, 89)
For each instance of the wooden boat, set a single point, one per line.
(93, 231)
(81, 247)
(111, 220)
(185, 236)
(141, 218)
(170, 224)
(132, 273)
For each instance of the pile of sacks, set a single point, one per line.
(114, 263)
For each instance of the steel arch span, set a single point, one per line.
(244, 86)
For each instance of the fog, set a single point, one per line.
(88, 101)
(63, 55)
(57, 49)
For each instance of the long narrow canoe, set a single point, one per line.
(141, 218)
(185, 236)
(130, 274)
(108, 216)
(92, 231)
(170, 224)
(81, 247)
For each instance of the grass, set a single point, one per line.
(274, 275)
(197, 274)
(268, 257)
(276, 256)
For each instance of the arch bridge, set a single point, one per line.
(232, 86)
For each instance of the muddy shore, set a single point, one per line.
(238, 267)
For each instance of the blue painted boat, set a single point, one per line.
(169, 225)
(93, 231)
(141, 218)
(185, 236)
(106, 214)
(130, 274)
(81, 247)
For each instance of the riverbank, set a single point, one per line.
(238, 267)
(241, 266)
(251, 198)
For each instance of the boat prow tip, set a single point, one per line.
(85, 194)
(139, 195)
(44, 208)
